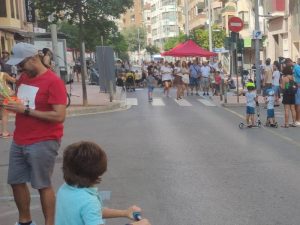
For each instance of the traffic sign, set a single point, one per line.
(235, 24)
(257, 34)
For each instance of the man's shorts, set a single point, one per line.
(270, 113)
(250, 110)
(297, 96)
(194, 81)
(276, 89)
(205, 82)
(32, 163)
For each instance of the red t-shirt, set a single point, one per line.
(40, 93)
(218, 79)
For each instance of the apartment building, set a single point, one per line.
(166, 20)
(13, 23)
(294, 10)
(133, 16)
(147, 21)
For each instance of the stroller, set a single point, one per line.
(258, 121)
(130, 81)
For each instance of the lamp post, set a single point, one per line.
(209, 25)
(257, 55)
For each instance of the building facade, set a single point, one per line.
(166, 20)
(133, 16)
(13, 25)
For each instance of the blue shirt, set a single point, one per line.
(250, 98)
(78, 206)
(195, 71)
(297, 73)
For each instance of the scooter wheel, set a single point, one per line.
(258, 124)
(241, 125)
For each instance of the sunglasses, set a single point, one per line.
(23, 62)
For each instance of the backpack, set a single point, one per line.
(291, 87)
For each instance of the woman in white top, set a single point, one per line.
(166, 77)
(275, 82)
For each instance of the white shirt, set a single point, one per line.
(166, 73)
(205, 71)
(250, 97)
(271, 102)
(276, 77)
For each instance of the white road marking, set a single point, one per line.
(183, 102)
(158, 102)
(206, 102)
(131, 101)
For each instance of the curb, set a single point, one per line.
(81, 110)
(233, 104)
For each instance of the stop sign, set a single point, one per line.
(235, 24)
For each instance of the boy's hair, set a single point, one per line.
(83, 164)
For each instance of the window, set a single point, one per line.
(244, 15)
(132, 18)
(17, 9)
(12, 9)
(3, 12)
(2, 43)
(200, 8)
(169, 15)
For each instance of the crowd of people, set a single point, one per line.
(187, 77)
(40, 108)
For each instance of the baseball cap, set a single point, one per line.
(22, 51)
(270, 92)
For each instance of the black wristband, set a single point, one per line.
(27, 110)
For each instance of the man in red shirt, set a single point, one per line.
(38, 131)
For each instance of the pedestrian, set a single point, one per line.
(205, 78)
(218, 81)
(48, 58)
(151, 83)
(288, 98)
(3, 63)
(185, 78)
(297, 97)
(166, 76)
(251, 99)
(84, 163)
(268, 75)
(38, 132)
(270, 108)
(4, 79)
(276, 82)
(178, 80)
(195, 74)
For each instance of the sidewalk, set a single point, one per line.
(233, 100)
(97, 101)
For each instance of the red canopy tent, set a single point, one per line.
(169, 52)
(188, 49)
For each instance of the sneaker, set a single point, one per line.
(32, 223)
(204, 94)
(197, 94)
(297, 124)
(207, 94)
(192, 94)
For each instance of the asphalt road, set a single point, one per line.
(185, 165)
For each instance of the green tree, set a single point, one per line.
(135, 37)
(152, 49)
(201, 36)
(91, 16)
(119, 44)
(173, 41)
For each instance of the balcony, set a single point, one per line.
(9, 24)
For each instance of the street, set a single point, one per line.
(184, 163)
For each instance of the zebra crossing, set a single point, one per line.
(181, 102)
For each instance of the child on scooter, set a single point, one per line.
(251, 100)
(78, 202)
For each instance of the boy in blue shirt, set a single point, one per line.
(78, 202)
(270, 108)
(251, 99)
